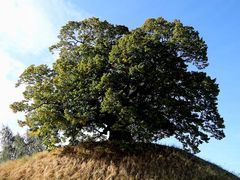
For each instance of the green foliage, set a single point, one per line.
(134, 85)
(7, 139)
(14, 147)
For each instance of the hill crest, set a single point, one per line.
(113, 161)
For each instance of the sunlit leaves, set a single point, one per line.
(133, 85)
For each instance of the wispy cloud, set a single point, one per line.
(28, 27)
(9, 69)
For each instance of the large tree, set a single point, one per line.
(127, 85)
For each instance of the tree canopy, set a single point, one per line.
(113, 83)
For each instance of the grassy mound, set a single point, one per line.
(113, 161)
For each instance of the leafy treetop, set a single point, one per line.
(126, 85)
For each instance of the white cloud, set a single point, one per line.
(8, 92)
(29, 26)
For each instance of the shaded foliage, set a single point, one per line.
(7, 139)
(16, 146)
(125, 85)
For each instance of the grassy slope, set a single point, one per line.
(105, 161)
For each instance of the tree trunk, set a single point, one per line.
(120, 135)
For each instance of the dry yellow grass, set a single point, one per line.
(104, 161)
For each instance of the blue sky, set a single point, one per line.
(29, 27)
